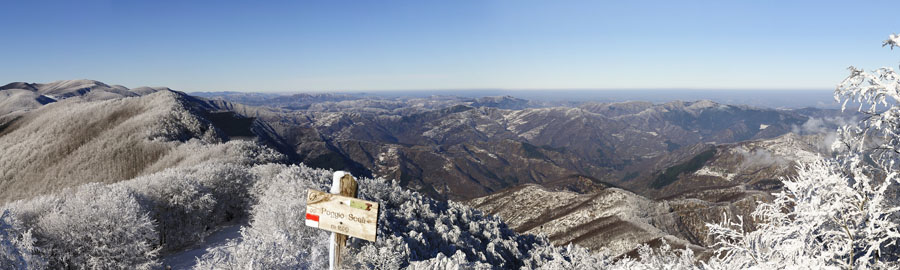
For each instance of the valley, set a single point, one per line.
(610, 177)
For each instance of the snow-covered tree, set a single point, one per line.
(877, 93)
(821, 219)
(838, 213)
(869, 151)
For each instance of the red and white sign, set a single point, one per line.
(312, 220)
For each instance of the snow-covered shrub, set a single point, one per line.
(278, 238)
(181, 207)
(230, 185)
(569, 257)
(17, 250)
(97, 227)
(441, 262)
(659, 258)
(165, 211)
(390, 255)
(429, 227)
(187, 203)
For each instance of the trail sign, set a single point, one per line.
(340, 214)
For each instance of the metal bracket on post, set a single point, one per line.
(342, 184)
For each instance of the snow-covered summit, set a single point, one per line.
(83, 88)
(16, 97)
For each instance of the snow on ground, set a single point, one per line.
(328, 119)
(708, 171)
(482, 151)
(533, 133)
(188, 257)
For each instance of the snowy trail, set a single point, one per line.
(188, 257)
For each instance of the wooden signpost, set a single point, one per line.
(341, 213)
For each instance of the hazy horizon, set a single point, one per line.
(785, 98)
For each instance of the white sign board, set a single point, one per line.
(340, 214)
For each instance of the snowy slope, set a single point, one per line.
(612, 219)
(71, 142)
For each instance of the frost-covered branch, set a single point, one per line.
(822, 219)
(892, 41)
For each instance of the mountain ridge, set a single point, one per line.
(74, 141)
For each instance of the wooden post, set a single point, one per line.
(340, 212)
(342, 183)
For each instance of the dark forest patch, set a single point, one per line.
(671, 174)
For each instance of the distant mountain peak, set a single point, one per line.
(19, 85)
(502, 102)
(79, 82)
(22, 96)
(705, 103)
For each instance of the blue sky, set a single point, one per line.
(398, 45)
